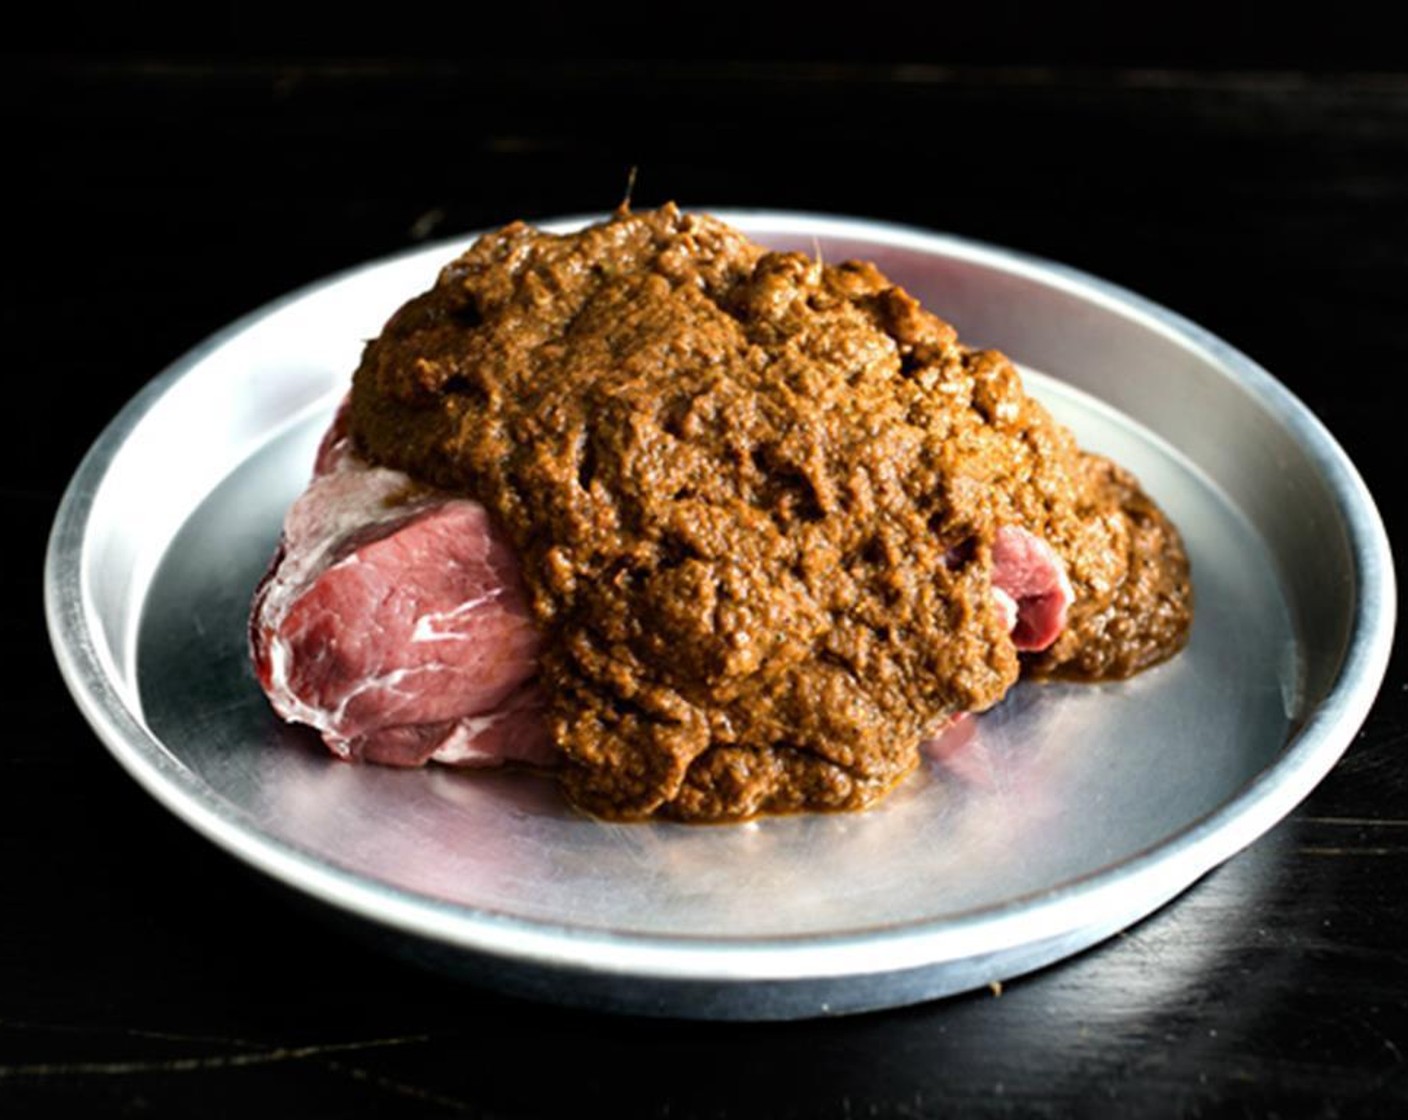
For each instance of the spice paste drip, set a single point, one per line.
(755, 499)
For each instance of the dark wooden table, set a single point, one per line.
(143, 972)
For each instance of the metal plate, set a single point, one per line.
(1068, 812)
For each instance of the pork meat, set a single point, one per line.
(393, 622)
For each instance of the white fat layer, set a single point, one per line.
(440, 625)
(459, 746)
(1006, 606)
(288, 703)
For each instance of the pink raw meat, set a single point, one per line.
(1030, 585)
(393, 621)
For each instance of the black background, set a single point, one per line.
(168, 173)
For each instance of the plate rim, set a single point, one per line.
(1099, 901)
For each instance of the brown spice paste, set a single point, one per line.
(755, 499)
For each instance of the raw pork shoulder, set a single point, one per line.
(392, 619)
(393, 622)
(1030, 585)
